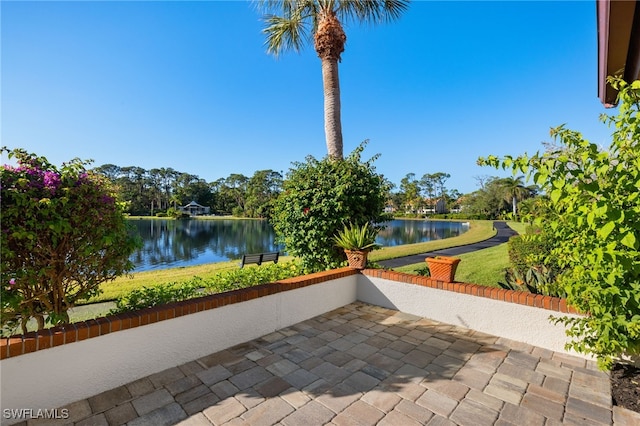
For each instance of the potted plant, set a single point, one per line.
(443, 268)
(357, 242)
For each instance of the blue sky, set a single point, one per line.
(189, 85)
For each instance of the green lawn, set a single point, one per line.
(484, 267)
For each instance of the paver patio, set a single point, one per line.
(366, 365)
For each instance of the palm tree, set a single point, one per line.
(514, 191)
(292, 23)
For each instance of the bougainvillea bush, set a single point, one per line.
(63, 234)
(592, 220)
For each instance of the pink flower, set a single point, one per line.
(12, 281)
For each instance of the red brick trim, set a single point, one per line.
(34, 341)
(550, 303)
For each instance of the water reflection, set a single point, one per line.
(400, 232)
(171, 243)
(168, 243)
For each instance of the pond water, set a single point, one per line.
(172, 243)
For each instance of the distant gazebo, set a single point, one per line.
(195, 209)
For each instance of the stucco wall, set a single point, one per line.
(510, 320)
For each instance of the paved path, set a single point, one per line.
(366, 365)
(502, 236)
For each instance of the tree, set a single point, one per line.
(514, 191)
(235, 186)
(263, 187)
(410, 190)
(292, 23)
(135, 188)
(429, 186)
(433, 186)
(593, 218)
(63, 234)
(487, 202)
(318, 198)
(187, 187)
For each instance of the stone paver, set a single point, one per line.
(152, 401)
(358, 413)
(109, 399)
(166, 415)
(365, 365)
(268, 413)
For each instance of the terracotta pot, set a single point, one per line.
(443, 268)
(357, 258)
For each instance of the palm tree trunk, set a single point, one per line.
(332, 122)
(514, 201)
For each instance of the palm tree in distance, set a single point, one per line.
(290, 24)
(514, 191)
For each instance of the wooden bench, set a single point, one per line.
(259, 258)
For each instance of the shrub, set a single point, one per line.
(536, 280)
(593, 216)
(248, 277)
(318, 198)
(161, 214)
(528, 251)
(63, 234)
(147, 297)
(424, 271)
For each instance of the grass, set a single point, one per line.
(484, 267)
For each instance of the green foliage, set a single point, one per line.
(318, 197)
(354, 237)
(536, 280)
(251, 276)
(63, 234)
(530, 250)
(424, 271)
(147, 297)
(593, 218)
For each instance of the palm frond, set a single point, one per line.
(284, 34)
(287, 24)
(372, 11)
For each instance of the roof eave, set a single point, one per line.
(618, 45)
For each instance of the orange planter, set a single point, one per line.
(357, 258)
(443, 268)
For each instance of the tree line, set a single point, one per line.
(162, 190)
